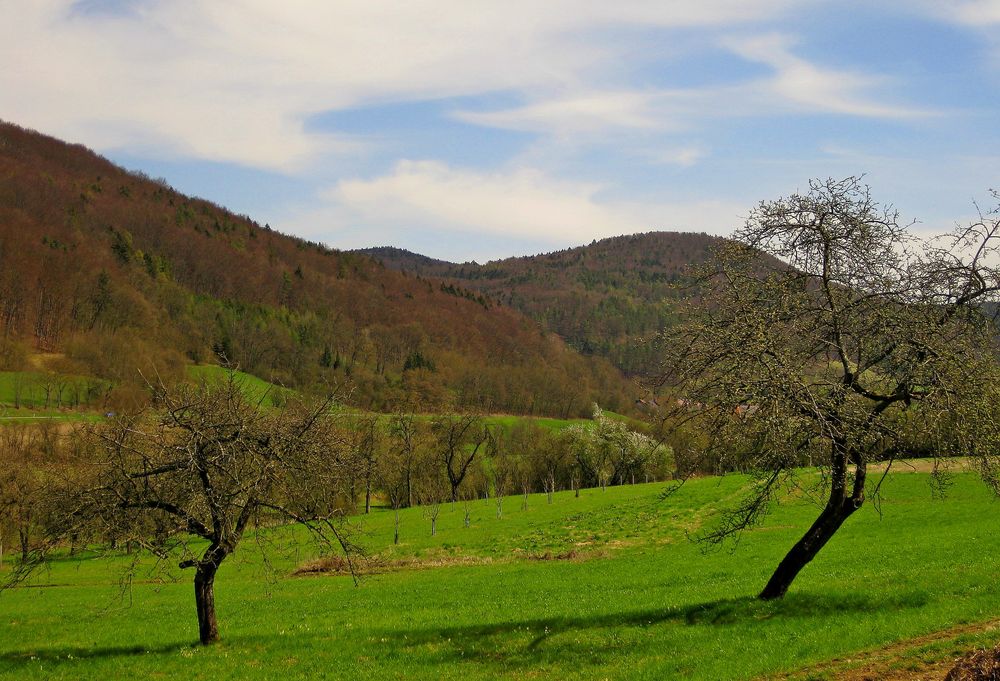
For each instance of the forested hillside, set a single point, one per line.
(108, 271)
(603, 299)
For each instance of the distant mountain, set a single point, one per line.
(603, 298)
(403, 260)
(109, 271)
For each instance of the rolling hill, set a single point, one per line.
(108, 271)
(603, 298)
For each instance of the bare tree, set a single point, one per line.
(502, 467)
(819, 328)
(366, 441)
(458, 438)
(404, 434)
(395, 468)
(21, 486)
(207, 466)
(432, 509)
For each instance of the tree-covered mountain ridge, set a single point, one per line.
(604, 298)
(110, 271)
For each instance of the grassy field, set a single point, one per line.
(28, 388)
(256, 389)
(603, 586)
(43, 390)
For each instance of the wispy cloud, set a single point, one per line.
(235, 81)
(796, 86)
(580, 114)
(679, 156)
(805, 86)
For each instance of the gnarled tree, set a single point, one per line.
(191, 477)
(825, 334)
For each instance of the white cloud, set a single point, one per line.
(235, 81)
(796, 86)
(680, 156)
(804, 86)
(520, 203)
(584, 113)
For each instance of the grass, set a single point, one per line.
(638, 600)
(35, 390)
(27, 389)
(9, 415)
(254, 389)
(509, 421)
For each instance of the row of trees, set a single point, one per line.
(406, 460)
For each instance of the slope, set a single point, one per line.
(110, 271)
(603, 298)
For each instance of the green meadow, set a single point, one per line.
(607, 585)
(255, 389)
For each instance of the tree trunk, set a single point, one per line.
(204, 596)
(22, 534)
(838, 509)
(395, 532)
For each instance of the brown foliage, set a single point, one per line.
(94, 256)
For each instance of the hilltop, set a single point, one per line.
(603, 298)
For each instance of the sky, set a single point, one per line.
(473, 130)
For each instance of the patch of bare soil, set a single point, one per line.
(952, 464)
(372, 565)
(924, 658)
(572, 554)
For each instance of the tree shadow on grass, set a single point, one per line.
(68, 654)
(71, 653)
(532, 641)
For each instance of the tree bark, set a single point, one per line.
(805, 549)
(204, 596)
(838, 509)
(22, 533)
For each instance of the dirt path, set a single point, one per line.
(918, 659)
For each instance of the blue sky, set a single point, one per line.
(477, 130)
